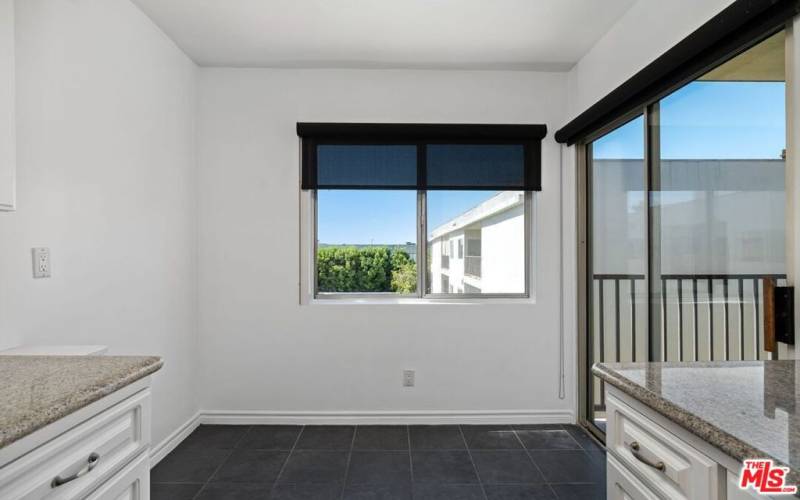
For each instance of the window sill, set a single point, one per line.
(333, 301)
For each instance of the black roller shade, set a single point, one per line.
(421, 156)
(738, 27)
(378, 165)
(475, 166)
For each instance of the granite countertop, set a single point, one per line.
(747, 409)
(38, 390)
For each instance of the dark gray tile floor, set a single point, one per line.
(480, 462)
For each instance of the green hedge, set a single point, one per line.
(368, 269)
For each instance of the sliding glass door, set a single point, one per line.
(617, 262)
(719, 198)
(685, 221)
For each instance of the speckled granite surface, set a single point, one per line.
(38, 390)
(746, 409)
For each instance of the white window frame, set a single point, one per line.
(309, 293)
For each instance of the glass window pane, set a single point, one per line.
(476, 165)
(618, 289)
(366, 241)
(619, 213)
(366, 166)
(476, 242)
(720, 204)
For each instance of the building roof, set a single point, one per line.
(499, 203)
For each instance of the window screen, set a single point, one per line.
(476, 166)
(366, 166)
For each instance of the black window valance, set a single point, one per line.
(421, 156)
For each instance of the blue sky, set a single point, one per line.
(702, 120)
(373, 217)
(364, 217)
(719, 120)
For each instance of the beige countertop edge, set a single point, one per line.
(94, 394)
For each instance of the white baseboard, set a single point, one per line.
(257, 417)
(162, 449)
(433, 417)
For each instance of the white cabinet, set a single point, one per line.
(7, 120)
(131, 483)
(622, 485)
(671, 467)
(650, 457)
(105, 456)
(736, 493)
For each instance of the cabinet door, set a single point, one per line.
(734, 493)
(131, 483)
(7, 96)
(623, 485)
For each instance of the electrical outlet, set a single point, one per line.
(408, 378)
(41, 262)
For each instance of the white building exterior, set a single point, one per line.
(717, 216)
(481, 250)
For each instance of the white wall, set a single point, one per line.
(7, 81)
(647, 30)
(106, 179)
(262, 351)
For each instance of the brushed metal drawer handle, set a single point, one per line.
(659, 466)
(91, 463)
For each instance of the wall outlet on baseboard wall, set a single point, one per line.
(408, 378)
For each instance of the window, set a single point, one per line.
(471, 289)
(472, 266)
(365, 242)
(403, 216)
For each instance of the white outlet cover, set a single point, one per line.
(41, 262)
(408, 378)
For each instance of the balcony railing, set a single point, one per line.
(445, 262)
(705, 317)
(472, 266)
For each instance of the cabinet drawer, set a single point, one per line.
(622, 485)
(668, 465)
(131, 483)
(735, 493)
(93, 451)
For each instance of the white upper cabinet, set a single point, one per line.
(7, 121)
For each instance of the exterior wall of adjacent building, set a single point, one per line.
(740, 201)
(502, 250)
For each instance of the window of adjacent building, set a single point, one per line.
(471, 289)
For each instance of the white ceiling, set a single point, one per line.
(464, 34)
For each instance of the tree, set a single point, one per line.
(404, 272)
(404, 279)
(369, 269)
